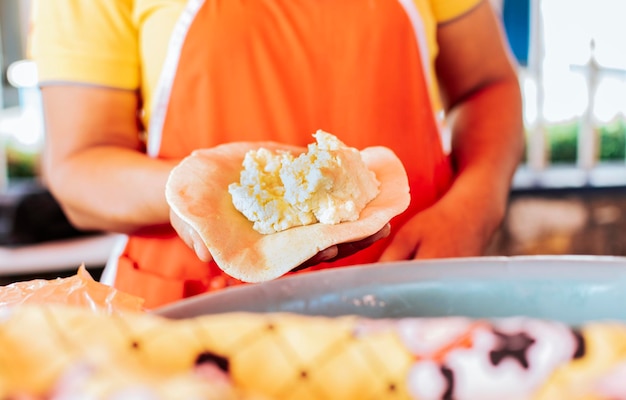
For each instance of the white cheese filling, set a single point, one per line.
(329, 184)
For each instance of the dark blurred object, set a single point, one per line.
(29, 214)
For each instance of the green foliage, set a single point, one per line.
(563, 143)
(22, 165)
(613, 141)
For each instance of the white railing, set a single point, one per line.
(537, 171)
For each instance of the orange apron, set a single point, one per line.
(279, 70)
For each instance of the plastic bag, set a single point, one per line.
(78, 290)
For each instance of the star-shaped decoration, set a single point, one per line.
(511, 346)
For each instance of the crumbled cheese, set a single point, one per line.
(329, 183)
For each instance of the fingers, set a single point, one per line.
(323, 255)
(191, 238)
(199, 247)
(346, 249)
(381, 234)
(397, 252)
(402, 247)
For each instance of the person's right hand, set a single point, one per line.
(342, 250)
(190, 236)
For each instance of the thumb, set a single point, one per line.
(401, 247)
(190, 236)
(202, 252)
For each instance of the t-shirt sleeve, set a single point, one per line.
(86, 42)
(446, 10)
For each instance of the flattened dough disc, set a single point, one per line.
(197, 191)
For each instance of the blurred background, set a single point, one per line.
(20, 121)
(36, 239)
(569, 193)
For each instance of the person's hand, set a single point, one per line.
(341, 250)
(449, 228)
(190, 237)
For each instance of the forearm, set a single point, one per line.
(487, 146)
(481, 93)
(111, 189)
(94, 162)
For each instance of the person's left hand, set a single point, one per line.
(449, 228)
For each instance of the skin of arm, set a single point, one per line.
(482, 100)
(94, 162)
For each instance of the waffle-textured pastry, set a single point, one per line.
(48, 350)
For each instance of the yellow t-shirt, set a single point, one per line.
(123, 43)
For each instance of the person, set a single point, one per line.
(132, 87)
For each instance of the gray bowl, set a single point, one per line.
(571, 289)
